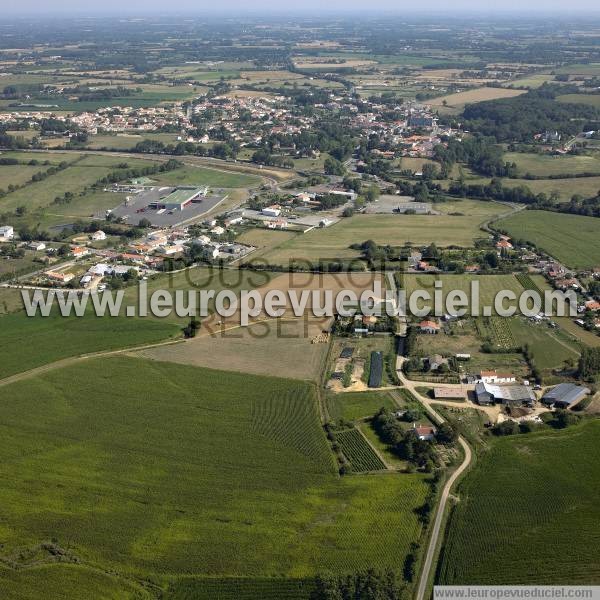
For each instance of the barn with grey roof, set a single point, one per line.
(565, 395)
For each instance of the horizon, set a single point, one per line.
(183, 8)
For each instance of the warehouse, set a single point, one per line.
(565, 395)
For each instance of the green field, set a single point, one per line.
(29, 342)
(544, 165)
(590, 99)
(17, 174)
(206, 176)
(357, 405)
(489, 285)
(528, 505)
(153, 471)
(572, 239)
(550, 348)
(360, 455)
(444, 229)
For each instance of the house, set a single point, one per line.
(98, 236)
(414, 259)
(430, 327)
(6, 233)
(435, 362)
(59, 277)
(37, 246)
(218, 230)
(85, 281)
(272, 211)
(211, 251)
(426, 434)
(495, 377)
(79, 251)
(564, 395)
(202, 240)
(503, 245)
(592, 305)
(509, 395)
(234, 218)
(277, 224)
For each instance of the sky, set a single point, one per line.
(141, 7)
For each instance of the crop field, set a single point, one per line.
(528, 505)
(205, 176)
(360, 455)
(489, 285)
(357, 405)
(445, 229)
(276, 347)
(29, 342)
(531, 82)
(214, 474)
(572, 239)
(544, 165)
(460, 99)
(528, 283)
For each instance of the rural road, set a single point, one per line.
(441, 509)
(439, 518)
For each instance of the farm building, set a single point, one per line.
(376, 372)
(510, 395)
(6, 233)
(430, 327)
(495, 377)
(98, 236)
(564, 395)
(448, 392)
(272, 211)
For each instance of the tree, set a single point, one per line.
(446, 434)
(191, 329)
(333, 167)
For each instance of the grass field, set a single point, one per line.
(572, 239)
(489, 285)
(528, 505)
(205, 176)
(544, 165)
(444, 229)
(357, 405)
(590, 99)
(549, 348)
(178, 471)
(17, 174)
